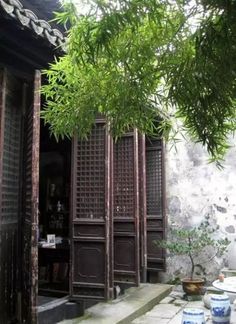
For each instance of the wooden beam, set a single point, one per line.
(22, 57)
(26, 44)
(18, 71)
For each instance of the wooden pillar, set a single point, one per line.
(30, 206)
(35, 194)
(143, 208)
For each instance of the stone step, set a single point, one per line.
(54, 310)
(123, 310)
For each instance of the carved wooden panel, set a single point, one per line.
(124, 261)
(92, 269)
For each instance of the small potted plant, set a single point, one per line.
(194, 243)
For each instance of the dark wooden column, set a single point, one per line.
(143, 207)
(30, 205)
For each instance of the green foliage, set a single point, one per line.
(112, 67)
(203, 85)
(175, 281)
(193, 242)
(134, 60)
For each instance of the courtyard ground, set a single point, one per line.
(147, 304)
(170, 309)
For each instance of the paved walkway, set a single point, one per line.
(170, 309)
(135, 301)
(127, 309)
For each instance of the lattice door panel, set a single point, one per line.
(91, 216)
(156, 222)
(10, 154)
(126, 210)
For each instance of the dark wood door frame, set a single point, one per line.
(143, 207)
(30, 206)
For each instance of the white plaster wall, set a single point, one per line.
(195, 189)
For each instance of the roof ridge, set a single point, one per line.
(28, 18)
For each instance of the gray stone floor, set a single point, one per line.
(169, 311)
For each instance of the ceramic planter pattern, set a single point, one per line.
(220, 309)
(193, 316)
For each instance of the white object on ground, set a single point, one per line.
(193, 315)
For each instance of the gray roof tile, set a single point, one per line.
(35, 15)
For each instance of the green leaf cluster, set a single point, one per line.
(203, 85)
(113, 66)
(137, 62)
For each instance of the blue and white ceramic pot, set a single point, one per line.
(220, 309)
(193, 316)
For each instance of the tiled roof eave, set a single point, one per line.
(27, 18)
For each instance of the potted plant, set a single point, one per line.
(194, 243)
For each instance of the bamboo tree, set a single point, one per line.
(139, 62)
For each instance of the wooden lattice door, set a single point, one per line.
(155, 199)
(117, 212)
(10, 156)
(90, 246)
(30, 203)
(126, 210)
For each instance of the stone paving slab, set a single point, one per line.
(150, 320)
(167, 300)
(164, 311)
(177, 319)
(180, 302)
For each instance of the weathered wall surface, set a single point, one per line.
(196, 189)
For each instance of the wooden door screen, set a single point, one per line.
(10, 154)
(30, 204)
(126, 210)
(155, 200)
(117, 212)
(90, 252)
